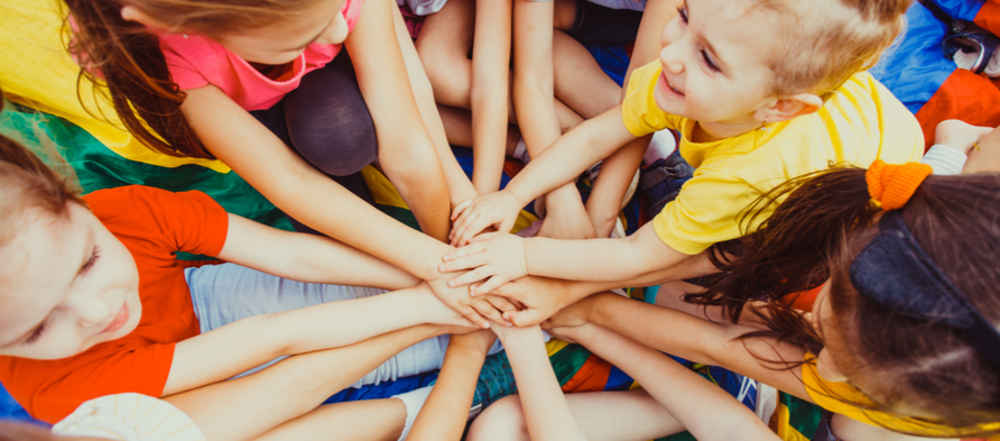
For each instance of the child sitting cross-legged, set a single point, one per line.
(753, 113)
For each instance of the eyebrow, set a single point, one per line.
(708, 44)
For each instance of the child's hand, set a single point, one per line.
(496, 257)
(959, 135)
(459, 300)
(437, 312)
(539, 298)
(472, 217)
(573, 315)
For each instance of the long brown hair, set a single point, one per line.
(26, 182)
(123, 58)
(823, 222)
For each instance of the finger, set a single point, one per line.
(461, 227)
(476, 226)
(491, 284)
(482, 238)
(467, 278)
(460, 208)
(473, 316)
(464, 251)
(487, 310)
(523, 318)
(501, 303)
(464, 263)
(546, 325)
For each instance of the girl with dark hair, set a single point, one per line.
(903, 334)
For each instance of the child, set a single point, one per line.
(903, 333)
(747, 126)
(95, 303)
(211, 80)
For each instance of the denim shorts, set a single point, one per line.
(225, 293)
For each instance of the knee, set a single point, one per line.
(502, 421)
(338, 145)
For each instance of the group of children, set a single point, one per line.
(816, 248)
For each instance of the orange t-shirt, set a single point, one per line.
(153, 224)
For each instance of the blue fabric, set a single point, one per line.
(915, 68)
(961, 9)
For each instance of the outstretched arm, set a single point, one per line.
(307, 257)
(546, 413)
(241, 345)
(490, 81)
(406, 153)
(690, 337)
(246, 407)
(446, 410)
(683, 393)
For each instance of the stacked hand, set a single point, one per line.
(498, 210)
(495, 258)
(476, 310)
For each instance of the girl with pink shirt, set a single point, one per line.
(268, 87)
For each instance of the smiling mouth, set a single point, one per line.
(671, 86)
(120, 319)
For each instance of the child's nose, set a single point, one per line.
(92, 310)
(670, 60)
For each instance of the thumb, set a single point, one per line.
(527, 317)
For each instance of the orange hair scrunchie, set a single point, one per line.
(892, 185)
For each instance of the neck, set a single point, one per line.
(714, 131)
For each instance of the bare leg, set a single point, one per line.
(458, 125)
(367, 420)
(610, 416)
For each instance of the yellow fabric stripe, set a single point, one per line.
(45, 78)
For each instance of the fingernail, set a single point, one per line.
(486, 325)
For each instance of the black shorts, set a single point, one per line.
(595, 24)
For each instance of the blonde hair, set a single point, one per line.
(824, 42)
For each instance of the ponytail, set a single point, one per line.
(127, 59)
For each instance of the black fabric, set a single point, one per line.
(326, 121)
(595, 24)
(895, 272)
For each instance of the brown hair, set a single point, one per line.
(26, 182)
(824, 222)
(123, 58)
(822, 43)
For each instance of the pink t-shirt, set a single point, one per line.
(196, 61)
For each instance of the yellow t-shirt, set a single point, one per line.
(836, 398)
(861, 122)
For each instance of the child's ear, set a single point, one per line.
(789, 107)
(132, 13)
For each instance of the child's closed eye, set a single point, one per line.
(35, 335)
(94, 255)
(707, 59)
(683, 13)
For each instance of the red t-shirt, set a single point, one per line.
(153, 224)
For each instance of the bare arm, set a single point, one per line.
(490, 79)
(686, 336)
(534, 94)
(300, 190)
(687, 396)
(406, 153)
(459, 186)
(246, 407)
(546, 412)
(446, 410)
(561, 162)
(243, 344)
(307, 257)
